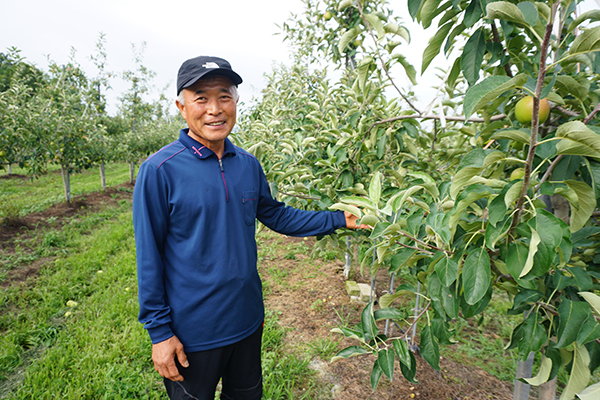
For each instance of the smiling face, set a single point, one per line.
(210, 107)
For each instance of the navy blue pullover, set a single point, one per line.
(194, 220)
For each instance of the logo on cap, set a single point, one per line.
(211, 64)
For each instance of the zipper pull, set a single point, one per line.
(221, 165)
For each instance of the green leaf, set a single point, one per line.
(368, 324)
(590, 393)
(513, 134)
(434, 291)
(349, 352)
(578, 140)
(402, 352)
(375, 188)
(454, 72)
(450, 301)
(410, 372)
(593, 299)
(580, 373)
(543, 374)
(587, 41)
(441, 330)
(410, 70)
(376, 375)
(473, 13)
(592, 15)
(347, 332)
(572, 314)
(434, 45)
(524, 300)
(461, 179)
(590, 331)
(529, 11)
(389, 313)
(447, 270)
(429, 11)
(582, 211)
(567, 84)
(533, 247)
(346, 207)
(363, 71)
(386, 359)
(472, 56)
(346, 38)
(399, 259)
(534, 335)
(429, 348)
(414, 6)
(476, 275)
(479, 95)
(376, 23)
(505, 11)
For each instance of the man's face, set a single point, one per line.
(210, 109)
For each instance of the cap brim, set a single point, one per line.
(235, 78)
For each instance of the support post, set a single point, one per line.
(387, 321)
(348, 257)
(523, 371)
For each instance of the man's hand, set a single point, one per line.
(351, 222)
(163, 356)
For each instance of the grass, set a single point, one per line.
(47, 190)
(72, 331)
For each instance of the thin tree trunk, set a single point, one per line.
(131, 171)
(103, 176)
(9, 172)
(66, 182)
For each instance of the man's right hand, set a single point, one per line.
(163, 356)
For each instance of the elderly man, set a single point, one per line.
(194, 209)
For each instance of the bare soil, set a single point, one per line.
(309, 300)
(298, 299)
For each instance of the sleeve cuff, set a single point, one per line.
(339, 219)
(160, 333)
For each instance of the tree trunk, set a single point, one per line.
(9, 172)
(64, 169)
(103, 176)
(131, 172)
(548, 390)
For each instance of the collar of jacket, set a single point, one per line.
(200, 151)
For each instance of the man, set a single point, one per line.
(194, 209)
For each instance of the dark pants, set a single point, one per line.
(238, 365)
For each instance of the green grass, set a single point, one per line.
(72, 332)
(19, 197)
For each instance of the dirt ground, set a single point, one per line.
(308, 319)
(296, 300)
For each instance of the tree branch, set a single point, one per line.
(381, 59)
(589, 117)
(534, 122)
(434, 116)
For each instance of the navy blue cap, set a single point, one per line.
(195, 68)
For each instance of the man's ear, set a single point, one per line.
(181, 108)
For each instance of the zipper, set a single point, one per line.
(223, 176)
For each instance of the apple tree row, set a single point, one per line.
(436, 184)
